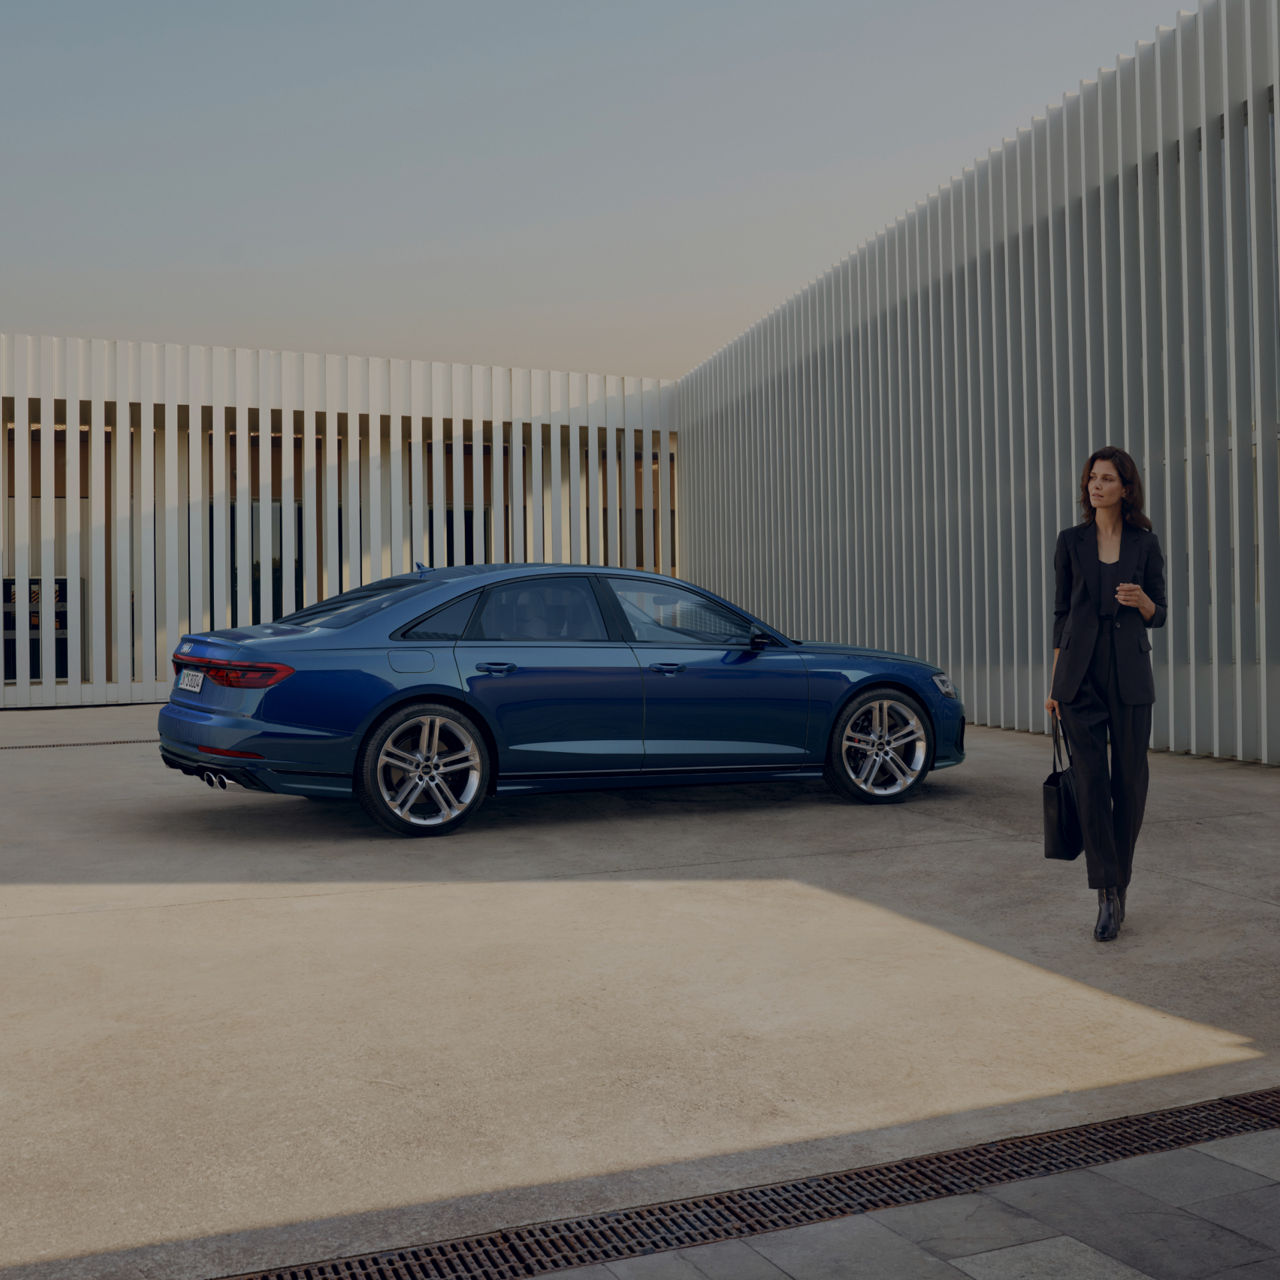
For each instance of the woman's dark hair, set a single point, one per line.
(1131, 504)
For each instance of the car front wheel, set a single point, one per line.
(881, 747)
(423, 771)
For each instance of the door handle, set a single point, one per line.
(666, 668)
(496, 668)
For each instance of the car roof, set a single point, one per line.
(481, 573)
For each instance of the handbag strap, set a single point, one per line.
(1060, 743)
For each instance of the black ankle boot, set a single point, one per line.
(1120, 898)
(1108, 915)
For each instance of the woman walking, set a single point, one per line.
(1109, 592)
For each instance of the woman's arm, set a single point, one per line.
(1149, 598)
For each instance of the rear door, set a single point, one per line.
(711, 699)
(562, 696)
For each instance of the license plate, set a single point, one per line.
(191, 680)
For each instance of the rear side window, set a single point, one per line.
(351, 606)
(445, 623)
(563, 609)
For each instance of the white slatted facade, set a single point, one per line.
(147, 490)
(888, 456)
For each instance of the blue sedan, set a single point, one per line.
(424, 693)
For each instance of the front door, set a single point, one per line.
(711, 699)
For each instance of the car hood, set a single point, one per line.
(860, 653)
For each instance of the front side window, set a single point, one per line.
(662, 614)
(563, 609)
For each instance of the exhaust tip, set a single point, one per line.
(222, 781)
(208, 778)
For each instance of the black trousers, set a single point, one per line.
(1112, 800)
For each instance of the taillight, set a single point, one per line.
(236, 675)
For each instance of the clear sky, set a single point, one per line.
(568, 184)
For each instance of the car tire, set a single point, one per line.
(423, 771)
(881, 747)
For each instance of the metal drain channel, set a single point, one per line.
(545, 1247)
(53, 746)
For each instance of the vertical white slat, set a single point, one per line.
(377, 373)
(399, 394)
(669, 461)
(577, 510)
(1242, 737)
(243, 397)
(595, 515)
(354, 511)
(500, 399)
(221, 359)
(649, 435)
(539, 414)
(441, 400)
(198, 395)
(481, 389)
(175, 358)
(99, 530)
(557, 413)
(419, 524)
(23, 355)
(666, 550)
(521, 410)
(144, 541)
(1262, 38)
(46, 611)
(460, 384)
(335, 519)
(313, 399)
(290, 552)
(266, 374)
(74, 367)
(122, 508)
(613, 438)
(633, 423)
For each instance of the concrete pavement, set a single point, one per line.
(246, 1031)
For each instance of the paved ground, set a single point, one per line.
(1210, 1212)
(246, 1031)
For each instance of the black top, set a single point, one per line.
(1108, 581)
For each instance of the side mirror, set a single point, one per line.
(760, 640)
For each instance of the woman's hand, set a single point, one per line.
(1132, 595)
(1051, 705)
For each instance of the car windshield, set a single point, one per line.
(360, 602)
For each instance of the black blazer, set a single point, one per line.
(1075, 610)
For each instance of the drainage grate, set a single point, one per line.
(521, 1252)
(49, 746)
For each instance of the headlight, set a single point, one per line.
(945, 687)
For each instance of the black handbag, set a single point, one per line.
(1063, 838)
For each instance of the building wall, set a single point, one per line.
(888, 456)
(147, 490)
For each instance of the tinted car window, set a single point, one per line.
(445, 623)
(661, 614)
(544, 609)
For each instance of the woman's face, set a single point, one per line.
(1105, 487)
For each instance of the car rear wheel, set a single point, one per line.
(423, 771)
(881, 747)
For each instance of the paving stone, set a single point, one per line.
(1269, 1270)
(849, 1249)
(1138, 1229)
(1057, 1258)
(593, 1272)
(1183, 1177)
(1255, 1214)
(960, 1225)
(1259, 1152)
(654, 1266)
(731, 1260)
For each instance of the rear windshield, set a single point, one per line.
(351, 606)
